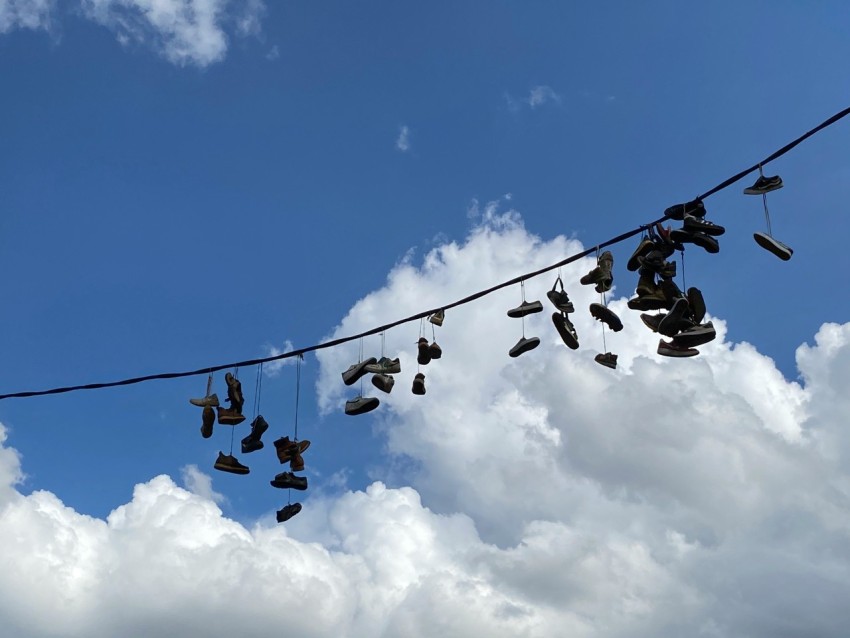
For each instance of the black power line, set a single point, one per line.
(482, 293)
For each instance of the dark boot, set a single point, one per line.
(252, 442)
(234, 393)
(207, 421)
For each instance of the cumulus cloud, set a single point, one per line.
(200, 483)
(26, 14)
(402, 142)
(273, 368)
(541, 94)
(185, 32)
(540, 496)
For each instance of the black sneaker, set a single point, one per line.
(228, 463)
(565, 329)
(669, 324)
(286, 480)
(696, 304)
(384, 382)
(678, 211)
(673, 350)
(700, 225)
(435, 351)
(773, 245)
(645, 246)
(357, 370)
(288, 512)
(361, 405)
(607, 316)
(423, 357)
(764, 185)
(700, 239)
(525, 308)
(608, 360)
(419, 384)
(696, 336)
(524, 345)
(252, 442)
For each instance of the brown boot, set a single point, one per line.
(207, 421)
(229, 416)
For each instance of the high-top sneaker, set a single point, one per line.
(253, 441)
(234, 393)
(678, 211)
(696, 304)
(601, 275)
(649, 295)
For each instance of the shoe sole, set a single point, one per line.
(353, 375)
(567, 337)
(607, 316)
(773, 246)
(668, 326)
(762, 191)
(647, 303)
(363, 409)
(665, 351)
(288, 486)
(232, 470)
(525, 346)
(523, 311)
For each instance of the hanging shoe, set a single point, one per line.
(608, 360)
(207, 421)
(601, 275)
(435, 351)
(559, 298)
(672, 293)
(645, 247)
(229, 416)
(208, 401)
(524, 345)
(649, 295)
(652, 321)
(252, 442)
(700, 239)
(669, 324)
(699, 225)
(423, 358)
(773, 245)
(385, 365)
(384, 382)
(764, 185)
(287, 480)
(678, 211)
(525, 308)
(296, 463)
(234, 392)
(288, 512)
(696, 304)
(438, 317)
(607, 316)
(565, 329)
(287, 449)
(419, 384)
(361, 405)
(673, 350)
(696, 336)
(228, 463)
(357, 370)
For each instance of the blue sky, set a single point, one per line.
(181, 194)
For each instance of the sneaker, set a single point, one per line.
(607, 316)
(698, 225)
(288, 512)
(773, 245)
(654, 263)
(419, 384)
(678, 211)
(438, 317)
(210, 401)
(229, 416)
(361, 405)
(608, 360)
(207, 421)
(652, 321)
(654, 301)
(524, 345)
(385, 365)
(384, 382)
(645, 246)
(286, 480)
(525, 308)
(234, 392)
(697, 304)
(601, 275)
(252, 442)
(287, 449)
(672, 293)
(357, 370)
(700, 239)
(673, 350)
(669, 324)
(435, 351)
(424, 356)
(565, 329)
(228, 463)
(696, 336)
(764, 185)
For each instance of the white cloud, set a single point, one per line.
(550, 496)
(26, 14)
(541, 94)
(273, 368)
(273, 54)
(402, 142)
(201, 484)
(185, 32)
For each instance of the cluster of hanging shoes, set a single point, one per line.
(382, 370)
(288, 450)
